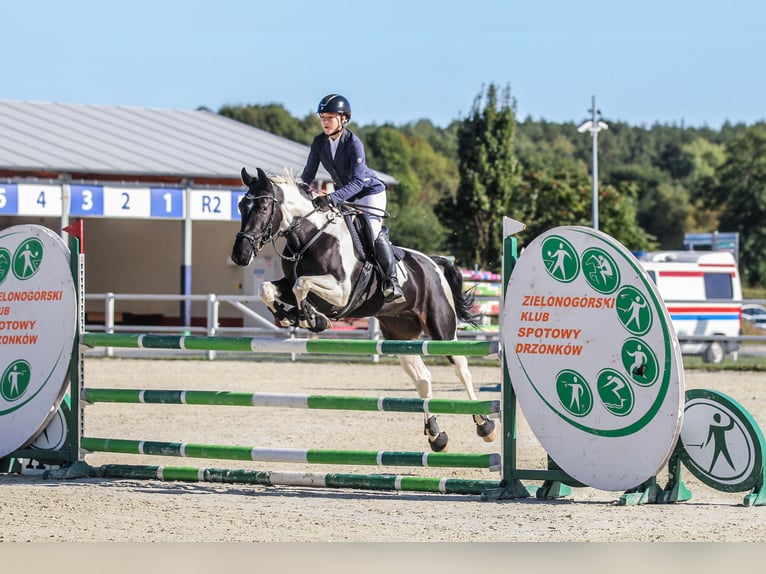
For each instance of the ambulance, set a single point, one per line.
(703, 294)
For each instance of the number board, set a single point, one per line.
(45, 200)
(213, 205)
(30, 199)
(9, 199)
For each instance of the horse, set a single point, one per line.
(327, 277)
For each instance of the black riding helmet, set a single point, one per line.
(335, 104)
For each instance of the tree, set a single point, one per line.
(565, 199)
(275, 119)
(418, 227)
(488, 173)
(705, 156)
(740, 191)
(412, 222)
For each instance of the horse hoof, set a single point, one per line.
(437, 439)
(319, 324)
(486, 429)
(488, 438)
(439, 443)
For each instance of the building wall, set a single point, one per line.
(146, 256)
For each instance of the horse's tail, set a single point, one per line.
(464, 300)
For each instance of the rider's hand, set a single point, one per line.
(321, 202)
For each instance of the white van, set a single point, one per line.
(703, 294)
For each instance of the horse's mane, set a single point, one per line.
(288, 177)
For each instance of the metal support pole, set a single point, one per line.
(594, 125)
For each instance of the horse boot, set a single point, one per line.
(385, 257)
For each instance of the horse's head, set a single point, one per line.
(260, 215)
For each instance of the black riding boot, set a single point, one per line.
(385, 256)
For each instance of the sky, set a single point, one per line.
(678, 62)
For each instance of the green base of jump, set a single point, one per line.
(388, 482)
(652, 493)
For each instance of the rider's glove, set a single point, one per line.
(321, 203)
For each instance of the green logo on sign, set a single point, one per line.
(600, 270)
(27, 258)
(560, 259)
(615, 392)
(5, 263)
(15, 380)
(634, 311)
(574, 393)
(640, 362)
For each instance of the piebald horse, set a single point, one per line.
(326, 277)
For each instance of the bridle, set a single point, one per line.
(259, 239)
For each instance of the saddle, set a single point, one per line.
(361, 235)
(364, 245)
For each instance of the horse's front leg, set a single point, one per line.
(485, 427)
(327, 288)
(414, 366)
(274, 294)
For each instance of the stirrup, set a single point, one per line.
(392, 292)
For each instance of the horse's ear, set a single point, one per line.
(262, 176)
(246, 177)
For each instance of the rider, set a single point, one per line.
(341, 153)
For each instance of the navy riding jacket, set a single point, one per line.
(350, 174)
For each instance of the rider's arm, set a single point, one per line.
(312, 162)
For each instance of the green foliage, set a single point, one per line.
(740, 192)
(655, 183)
(387, 151)
(488, 173)
(566, 198)
(275, 119)
(417, 227)
(442, 141)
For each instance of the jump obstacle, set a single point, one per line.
(71, 456)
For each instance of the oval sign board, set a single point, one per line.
(593, 358)
(720, 442)
(38, 313)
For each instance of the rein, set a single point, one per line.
(297, 255)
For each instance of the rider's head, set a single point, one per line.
(334, 112)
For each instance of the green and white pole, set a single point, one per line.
(298, 401)
(386, 482)
(298, 346)
(292, 455)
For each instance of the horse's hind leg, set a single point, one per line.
(485, 427)
(421, 376)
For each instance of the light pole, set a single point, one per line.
(594, 125)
